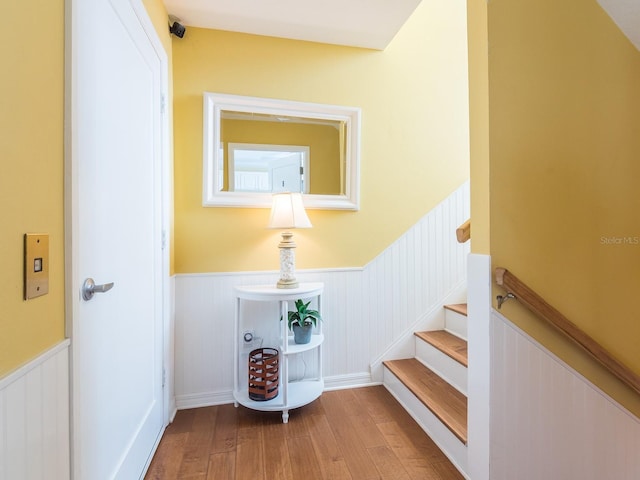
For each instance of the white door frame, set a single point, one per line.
(72, 280)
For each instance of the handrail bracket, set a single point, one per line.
(503, 298)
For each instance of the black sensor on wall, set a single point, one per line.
(177, 29)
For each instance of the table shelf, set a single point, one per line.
(291, 394)
(299, 394)
(295, 348)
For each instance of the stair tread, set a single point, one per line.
(449, 344)
(460, 308)
(444, 401)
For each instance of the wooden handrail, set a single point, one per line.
(541, 308)
(463, 232)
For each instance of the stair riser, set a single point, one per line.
(455, 323)
(450, 445)
(446, 367)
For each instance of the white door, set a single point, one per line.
(286, 175)
(115, 219)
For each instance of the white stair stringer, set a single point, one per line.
(451, 446)
(446, 367)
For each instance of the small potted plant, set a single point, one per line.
(302, 320)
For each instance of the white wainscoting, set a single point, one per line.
(34, 418)
(549, 422)
(366, 310)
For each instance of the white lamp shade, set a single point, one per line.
(288, 211)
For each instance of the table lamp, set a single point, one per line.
(287, 212)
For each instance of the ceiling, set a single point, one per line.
(357, 23)
(626, 14)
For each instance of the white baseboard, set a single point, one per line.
(208, 399)
(354, 380)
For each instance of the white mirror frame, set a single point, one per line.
(215, 103)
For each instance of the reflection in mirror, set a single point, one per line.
(266, 145)
(267, 168)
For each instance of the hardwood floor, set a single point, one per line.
(357, 434)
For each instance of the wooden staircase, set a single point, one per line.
(432, 386)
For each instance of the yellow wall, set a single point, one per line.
(565, 146)
(415, 141)
(32, 165)
(158, 15)
(160, 19)
(479, 124)
(31, 174)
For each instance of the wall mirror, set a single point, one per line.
(254, 147)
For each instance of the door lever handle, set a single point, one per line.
(89, 288)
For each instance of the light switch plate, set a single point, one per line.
(36, 265)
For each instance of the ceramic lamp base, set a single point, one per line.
(291, 283)
(287, 262)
